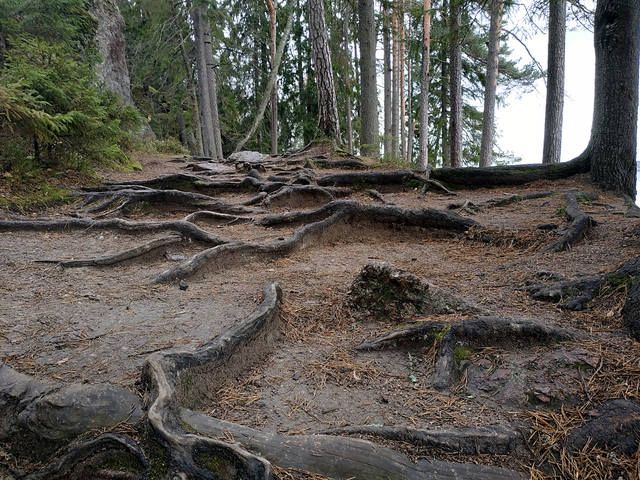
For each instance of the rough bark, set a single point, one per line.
(401, 53)
(580, 223)
(491, 82)
(455, 84)
(395, 89)
(328, 121)
(386, 40)
(211, 85)
(274, 93)
(423, 159)
(555, 82)
(206, 116)
(368, 85)
(348, 83)
(613, 142)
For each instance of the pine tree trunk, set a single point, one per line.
(206, 119)
(615, 114)
(395, 89)
(409, 147)
(327, 104)
(444, 95)
(455, 84)
(347, 54)
(212, 84)
(386, 39)
(191, 88)
(491, 83)
(403, 112)
(274, 93)
(555, 82)
(368, 90)
(423, 158)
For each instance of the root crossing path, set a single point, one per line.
(310, 316)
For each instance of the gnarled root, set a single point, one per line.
(332, 214)
(476, 332)
(496, 440)
(580, 223)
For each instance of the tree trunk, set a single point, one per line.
(409, 147)
(347, 54)
(206, 117)
(272, 78)
(615, 114)
(403, 111)
(455, 83)
(491, 82)
(327, 104)
(211, 84)
(368, 90)
(555, 82)
(198, 150)
(444, 95)
(395, 89)
(386, 40)
(423, 158)
(274, 92)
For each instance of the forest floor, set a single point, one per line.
(99, 323)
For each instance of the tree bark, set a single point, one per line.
(491, 82)
(327, 104)
(403, 111)
(212, 84)
(386, 40)
(368, 89)
(191, 88)
(423, 159)
(455, 84)
(349, 86)
(274, 92)
(395, 89)
(615, 114)
(444, 95)
(206, 117)
(409, 147)
(555, 82)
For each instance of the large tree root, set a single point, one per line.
(392, 177)
(473, 177)
(340, 457)
(113, 259)
(193, 455)
(576, 294)
(476, 332)
(80, 457)
(494, 440)
(128, 197)
(297, 196)
(334, 214)
(580, 223)
(497, 202)
(186, 228)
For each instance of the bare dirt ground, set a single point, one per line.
(98, 324)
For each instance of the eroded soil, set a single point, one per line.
(97, 324)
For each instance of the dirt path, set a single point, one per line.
(99, 324)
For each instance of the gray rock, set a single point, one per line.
(247, 156)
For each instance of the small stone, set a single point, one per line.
(183, 285)
(296, 376)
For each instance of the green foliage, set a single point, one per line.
(52, 110)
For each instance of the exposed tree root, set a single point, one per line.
(341, 457)
(223, 217)
(580, 223)
(326, 218)
(194, 455)
(476, 332)
(79, 457)
(495, 440)
(187, 229)
(128, 197)
(113, 259)
(472, 208)
(576, 294)
(347, 163)
(376, 195)
(392, 177)
(473, 177)
(296, 196)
